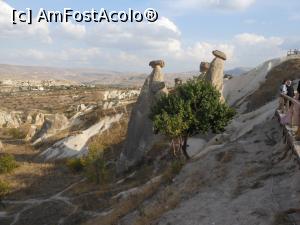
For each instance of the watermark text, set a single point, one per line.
(96, 16)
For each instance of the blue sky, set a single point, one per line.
(248, 31)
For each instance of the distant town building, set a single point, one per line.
(32, 85)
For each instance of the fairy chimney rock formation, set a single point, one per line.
(140, 135)
(215, 74)
(204, 67)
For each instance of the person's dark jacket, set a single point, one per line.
(298, 90)
(290, 91)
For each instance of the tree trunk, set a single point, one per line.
(184, 147)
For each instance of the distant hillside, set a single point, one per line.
(91, 76)
(17, 72)
(238, 71)
(269, 90)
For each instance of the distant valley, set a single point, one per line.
(91, 76)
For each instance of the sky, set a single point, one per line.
(248, 31)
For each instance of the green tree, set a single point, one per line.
(192, 108)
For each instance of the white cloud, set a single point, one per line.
(162, 35)
(213, 4)
(166, 23)
(253, 39)
(38, 31)
(253, 49)
(203, 50)
(131, 46)
(73, 30)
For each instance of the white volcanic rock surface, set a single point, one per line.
(76, 145)
(238, 88)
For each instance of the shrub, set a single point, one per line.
(76, 164)
(16, 133)
(95, 165)
(7, 164)
(4, 189)
(193, 108)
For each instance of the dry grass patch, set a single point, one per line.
(123, 206)
(167, 199)
(35, 179)
(110, 141)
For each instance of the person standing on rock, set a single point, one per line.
(298, 91)
(283, 90)
(290, 90)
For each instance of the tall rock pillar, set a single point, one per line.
(140, 135)
(215, 73)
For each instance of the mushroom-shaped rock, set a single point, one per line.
(157, 75)
(155, 63)
(140, 137)
(204, 67)
(215, 74)
(219, 54)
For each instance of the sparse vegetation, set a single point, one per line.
(16, 133)
(75, 164)
(95, 166)
(4, 189)
(7, 164)
(102, 149)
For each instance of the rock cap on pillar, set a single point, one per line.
(219, 54)
(155, 63)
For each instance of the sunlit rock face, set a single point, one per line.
(1, 147)
(10, 119)
(140, 135)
